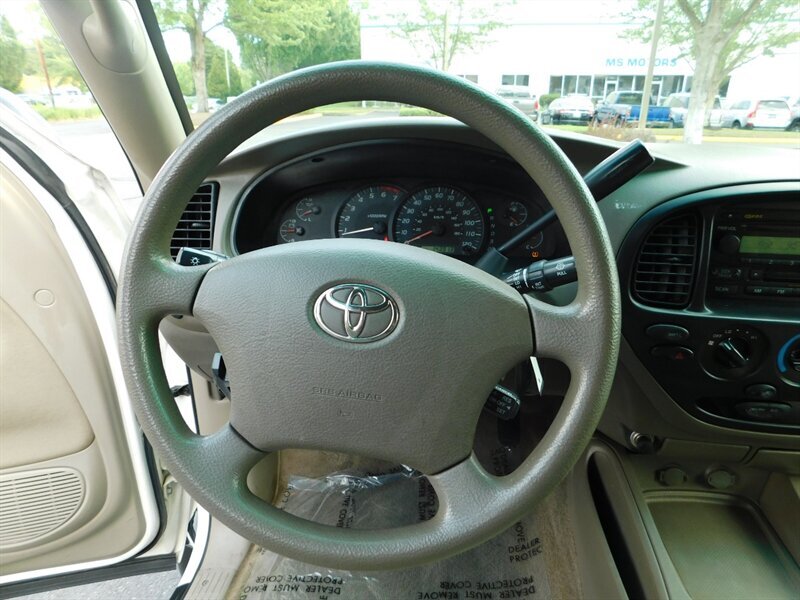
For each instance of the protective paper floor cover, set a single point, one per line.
(512, 565)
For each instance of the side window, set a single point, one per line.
(39, 72)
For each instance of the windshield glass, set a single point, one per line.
(712, 60)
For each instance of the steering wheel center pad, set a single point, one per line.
(411, 397)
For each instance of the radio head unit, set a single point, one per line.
(755, 253)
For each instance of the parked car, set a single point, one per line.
(749, 114)
(623, 107)
(521, 97)
(794, 106)
(575, 108)
(678, 104)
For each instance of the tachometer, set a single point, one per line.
(441, 219)
(366, 213)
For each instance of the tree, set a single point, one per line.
(222, 81)
(719, 36)
(277, 36)
(183, 71)
(443, 29)
(61, 69)
(193, 17)
(12, 57)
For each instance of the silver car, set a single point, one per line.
(749, 114)
(521, 97)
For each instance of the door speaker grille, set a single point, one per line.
(36, 503)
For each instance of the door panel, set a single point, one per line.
(74, 487)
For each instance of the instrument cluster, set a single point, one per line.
(438, 216)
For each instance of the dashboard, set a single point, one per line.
(706, 244)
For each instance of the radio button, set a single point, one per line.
(764, 290)
(723, 289)
(729, 244)
(665, 332)
(727, 273)
(757, 274)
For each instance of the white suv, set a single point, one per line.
(771, 113)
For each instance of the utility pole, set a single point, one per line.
(444, 43)
(648, 80)
(43, 62)
(227, 72)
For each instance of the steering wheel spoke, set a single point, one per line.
(561, 332)
(170, 289)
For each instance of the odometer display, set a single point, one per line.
(441, 219)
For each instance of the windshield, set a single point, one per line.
(689, 54)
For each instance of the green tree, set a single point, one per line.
(340, 41)
(218, 76)
(442, 29)
(719, 36)
(196, 18)
(12, 57)
(277, 36)
(183, 71)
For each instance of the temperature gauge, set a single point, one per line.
(292, 231)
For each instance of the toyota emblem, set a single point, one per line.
(356, 312)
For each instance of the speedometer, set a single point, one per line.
(442, 219)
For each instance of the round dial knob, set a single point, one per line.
(733, 353)
(729, 244)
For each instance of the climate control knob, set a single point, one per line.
(733, 353)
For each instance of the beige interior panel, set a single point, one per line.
(36, 401)
(61, 427)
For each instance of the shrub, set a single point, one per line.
(416, 111)
(546, 99)
(67, 114)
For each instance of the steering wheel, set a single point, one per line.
(434, 337)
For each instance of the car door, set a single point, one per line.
(77, 490)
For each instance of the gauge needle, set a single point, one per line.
(355, 231)
(419, 237)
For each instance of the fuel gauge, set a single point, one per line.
(516, 214)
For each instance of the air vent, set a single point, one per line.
(36, 503)
(665, 266)
(196, 227)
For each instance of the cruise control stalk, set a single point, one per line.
(543, 276)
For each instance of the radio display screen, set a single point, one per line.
(757, 244)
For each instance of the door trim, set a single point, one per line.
(97, 294)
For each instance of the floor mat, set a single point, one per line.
(532, 559)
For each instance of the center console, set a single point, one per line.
(712, 303)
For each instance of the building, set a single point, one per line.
(571, 47)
